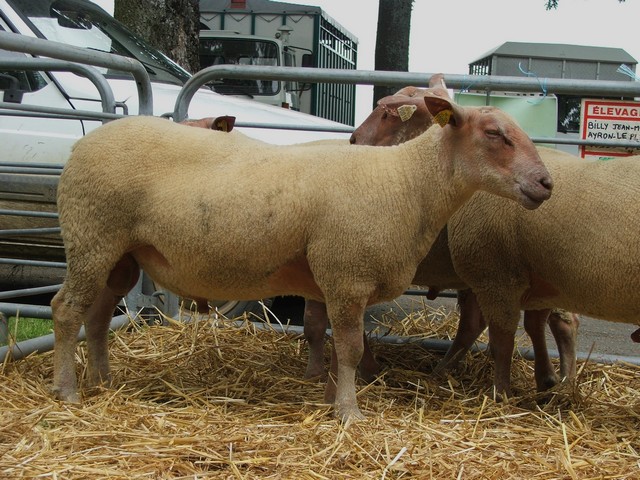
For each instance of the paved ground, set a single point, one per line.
(606, 338)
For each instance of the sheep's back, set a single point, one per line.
(581, 247)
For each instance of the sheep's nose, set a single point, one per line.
(547, 182)
(352, 139)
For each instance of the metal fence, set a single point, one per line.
(23, 178)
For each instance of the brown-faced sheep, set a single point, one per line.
(209, 216)
(398, 118)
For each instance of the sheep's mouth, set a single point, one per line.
(530, 203)
(533, 199)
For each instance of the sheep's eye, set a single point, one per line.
(497, 134)
(384, 114)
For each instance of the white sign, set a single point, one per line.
(610, 120)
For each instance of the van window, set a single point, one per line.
(26, 81)
(83, 24)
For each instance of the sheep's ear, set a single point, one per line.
(224, 123)
(443, 110)
(406, 112)
(437, 81)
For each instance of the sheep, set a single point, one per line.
(399, 117)
(437, 268)
(343, 225)
(577, 253)
(389, 124)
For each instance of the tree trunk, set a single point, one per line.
(171, 26)
(392, 41)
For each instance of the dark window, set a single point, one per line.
(26, 81)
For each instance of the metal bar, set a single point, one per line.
(26, 292)
(399, 79)
(49, 48)
(439, 345)
(46, 342)
(25, 310)
(59, 166)
(420, 292)
(578, 141)
(34, 171)
(51, 65)
(17, 110)
(284, 126)
(29, 213)
(29, 231)
(32, 263)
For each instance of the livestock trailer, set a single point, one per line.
(309, 37)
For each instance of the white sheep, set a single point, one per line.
(579, 252)
(396, 119)
(209, 216)
(437, 269)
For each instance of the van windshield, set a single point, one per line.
(83, 24)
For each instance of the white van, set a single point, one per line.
(83, 24)
(37, 140)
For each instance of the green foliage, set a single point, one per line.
(26, 328)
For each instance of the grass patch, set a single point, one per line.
(23, 328)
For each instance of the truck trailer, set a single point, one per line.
(265, 32)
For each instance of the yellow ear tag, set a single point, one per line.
(406, 112)
(442, 118)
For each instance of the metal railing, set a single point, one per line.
(487, 84)
(60, 51)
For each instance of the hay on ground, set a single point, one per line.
(212, 399)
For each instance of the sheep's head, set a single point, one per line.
(396, 119)
(488, 146)
(224, 123)
(399, 117)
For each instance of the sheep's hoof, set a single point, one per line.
(348, 414)
(67, 397)
(330, 390)
(96, 379)
(441, 369)
(547, 383)
(314, 375)
(501, 395)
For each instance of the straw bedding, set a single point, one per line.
(212, 399)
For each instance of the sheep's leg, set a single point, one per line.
(564, 326)
(501, 310)
(471, 325)
(121, 280)
(315, 327)
(347, 326)
(501, 343)
(369, 368)
(535, 322)
(68, 318)
(97, 329)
